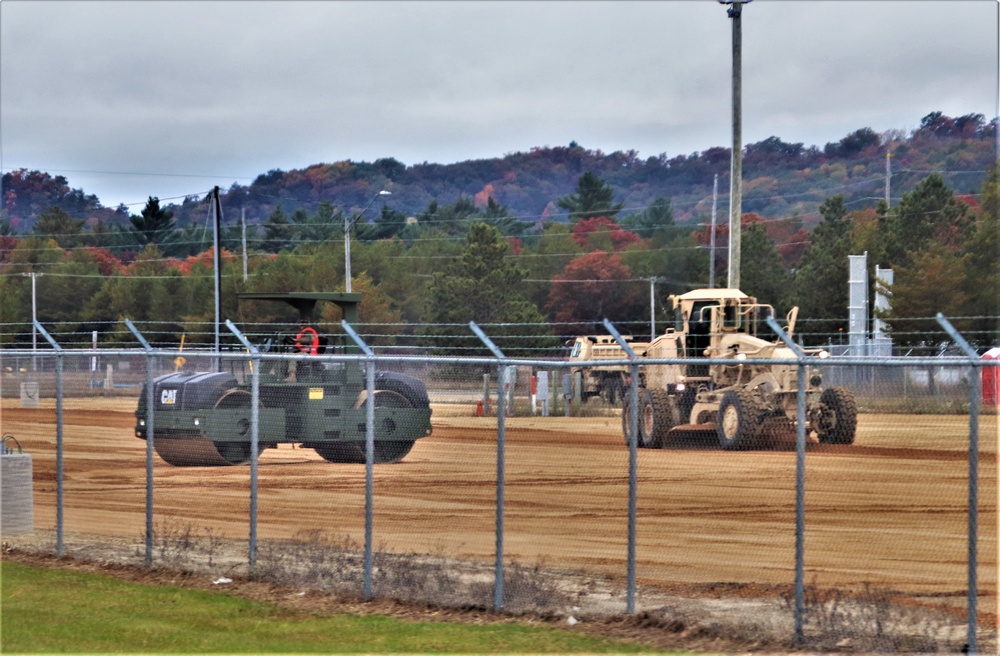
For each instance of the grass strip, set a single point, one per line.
(49, 610)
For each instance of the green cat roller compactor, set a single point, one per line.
(203, 418)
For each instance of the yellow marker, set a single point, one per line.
(179, 360)
(315, 393)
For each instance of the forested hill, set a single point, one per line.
(539, 246)
(781, 179)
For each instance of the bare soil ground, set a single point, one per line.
(885, 540)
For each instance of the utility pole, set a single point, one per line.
(217, 209)
(243, 224)
(711, 238)
(888, 177)
(652, 309)
(347, 238)
(736, 168)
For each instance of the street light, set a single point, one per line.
(347, 238)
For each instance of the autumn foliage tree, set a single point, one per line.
(593, 287)
(601, 232)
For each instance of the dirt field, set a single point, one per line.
(889, 511)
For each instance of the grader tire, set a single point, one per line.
(657, 415)
(626, 416)
(613, 389)
(740, 421)
(838, 420)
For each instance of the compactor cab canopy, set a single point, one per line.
(305, 303)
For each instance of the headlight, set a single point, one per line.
(741, 356)
(680, 387)
(197, 421)
(822, 355)
(142, 422)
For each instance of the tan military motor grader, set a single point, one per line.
(746, 405)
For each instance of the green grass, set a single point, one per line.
(46, 610)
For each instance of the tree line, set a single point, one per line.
(424, 278)
(780, 179)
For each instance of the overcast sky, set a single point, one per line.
(130, 99)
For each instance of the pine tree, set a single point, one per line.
(592, 198)
(484, 286)
(821, 280)
(156, 226)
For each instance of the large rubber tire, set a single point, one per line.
(386, 451)
(838, 417)
(657, 415)
(621, 389)
(342, 452)
(410, 388)
(739, 422)
(612, 390)
(626, 412)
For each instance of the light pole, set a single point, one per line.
(347, 238)
(736, 168)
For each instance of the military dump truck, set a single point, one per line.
(203, 418)
(607, 381)
(743, 404)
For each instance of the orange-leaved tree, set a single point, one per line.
(600, 232)
(595, 286)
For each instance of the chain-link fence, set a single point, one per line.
(499, 483)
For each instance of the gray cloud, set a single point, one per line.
(231, 89)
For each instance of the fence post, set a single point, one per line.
(543, 391)
(149, 438)
(974, 392)
(800, 478)
(254, 436)
(369, 452)
(567, 393)
(59, 436)
(502, 379)
(486, 394)
(633, 455)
